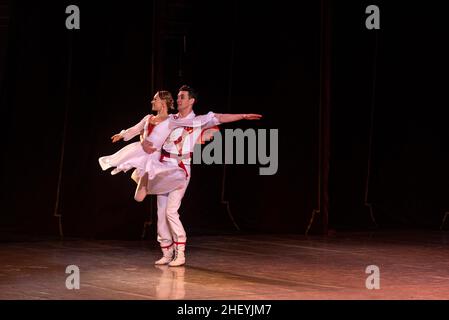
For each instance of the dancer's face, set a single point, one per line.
(183, 101)
(157, 103)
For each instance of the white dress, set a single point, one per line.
(163, 177)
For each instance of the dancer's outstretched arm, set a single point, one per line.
(229, 117)
(130, 132)
(221, 117)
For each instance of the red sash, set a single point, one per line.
(206, 135)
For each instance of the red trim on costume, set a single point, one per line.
(178, 140)
(179, 144)
(166, 247)
(207, 134)
(179, 243)
(183, 167)
(150, 129)
(150, 126)
(165, 154)
(188, 129)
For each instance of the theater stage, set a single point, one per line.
(412, 265)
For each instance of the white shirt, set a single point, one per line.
(186, 133)
(157, 136)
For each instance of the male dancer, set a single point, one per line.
(178, 149)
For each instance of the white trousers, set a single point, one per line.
(169, 226)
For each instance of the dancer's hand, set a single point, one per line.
(232, 117)
(141, 136)
(116, 137)
(148, 146)
(252, 116)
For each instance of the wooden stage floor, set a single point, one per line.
(412, 265)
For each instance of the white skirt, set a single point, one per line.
(163, 177)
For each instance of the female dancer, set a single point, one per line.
(152, 176)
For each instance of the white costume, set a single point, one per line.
(168, 171)
(162, 178)
(178, 150)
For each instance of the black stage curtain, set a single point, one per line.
(238, 58)
(396, 78)
(242, 57)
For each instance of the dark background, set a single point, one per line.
(380, 90)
